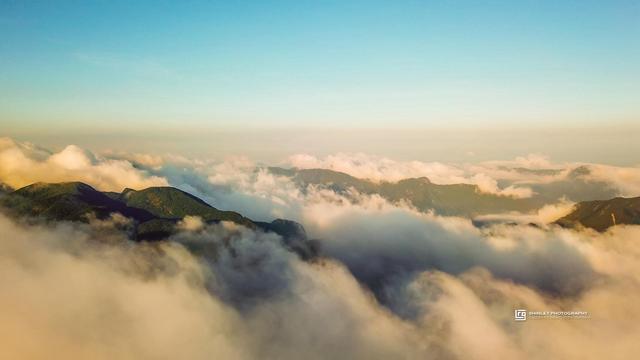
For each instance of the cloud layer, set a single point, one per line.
(391, 281)
(85, 291)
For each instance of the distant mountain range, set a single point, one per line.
(602, 214)
(465, 200)
(156, 211)
(447, 200)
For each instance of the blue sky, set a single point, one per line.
(351, 64)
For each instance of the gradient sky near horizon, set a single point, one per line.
(429, 80)
(195, 67)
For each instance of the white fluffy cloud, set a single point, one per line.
(84, 291)
(379, 168)
(22, 164)
(68, 291)
(489, 185)
(625, 179)
(377, 241)
(541, 217)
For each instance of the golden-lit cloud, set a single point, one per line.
(21, 165)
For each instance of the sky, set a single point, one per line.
(120, 69)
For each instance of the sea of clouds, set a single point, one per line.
(390, 281)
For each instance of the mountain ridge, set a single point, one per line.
(445, 199)
(155, 211)
(602, 214)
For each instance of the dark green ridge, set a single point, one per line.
(171, 203)
(156, 210)
(71, 201)
(602, 214)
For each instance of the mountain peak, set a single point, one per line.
(52, 189)
(579, 171)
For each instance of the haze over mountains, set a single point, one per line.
(493, 190)
(468, 200)
(448, 200)
(574, 184)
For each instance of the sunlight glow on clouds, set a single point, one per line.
(21, 166)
